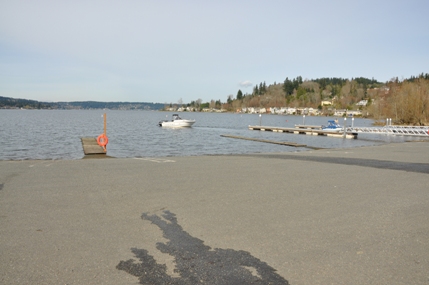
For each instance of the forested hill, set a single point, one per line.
(12, 103)
(110, 105)
(7, 103)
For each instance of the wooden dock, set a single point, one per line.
(91, 147)
(308, 127)
(306, 130)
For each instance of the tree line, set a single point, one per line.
(297, 92)
(7, 102)
(405, 101)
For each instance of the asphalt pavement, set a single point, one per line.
(343, 216)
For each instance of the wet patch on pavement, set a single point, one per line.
(195, 262)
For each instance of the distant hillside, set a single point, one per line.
(12, 103)
(110, 105)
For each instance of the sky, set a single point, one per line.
(181, 51)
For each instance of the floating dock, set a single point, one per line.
(306, 130)
(91, 147)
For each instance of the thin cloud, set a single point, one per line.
(245, 83)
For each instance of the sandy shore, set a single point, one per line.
(345, 216)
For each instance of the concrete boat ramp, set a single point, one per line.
(344, 216)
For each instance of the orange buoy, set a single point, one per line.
(102, 140)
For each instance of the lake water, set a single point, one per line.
(55, 134)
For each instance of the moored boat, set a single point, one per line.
(332, 126)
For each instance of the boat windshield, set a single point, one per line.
(333, 123)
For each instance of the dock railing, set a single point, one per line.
(393, 130)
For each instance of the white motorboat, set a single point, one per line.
(176, 122)
(332, 126)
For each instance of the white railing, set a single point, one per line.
(392, 130)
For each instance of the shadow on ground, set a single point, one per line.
(196, 263)
(374, 163)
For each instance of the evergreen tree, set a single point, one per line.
(239, 95)
(296, 82)
(288, 86)
(255, 90)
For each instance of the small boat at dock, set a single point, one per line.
(176, 122)
(332, 126)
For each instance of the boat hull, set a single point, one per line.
(332, 130)
(178, 123)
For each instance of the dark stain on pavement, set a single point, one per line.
(195, 262)
(383, 164)
(1, 186)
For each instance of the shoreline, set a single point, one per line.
(297, 150)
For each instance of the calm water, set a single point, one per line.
(44, 134)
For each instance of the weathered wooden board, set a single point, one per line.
(90, 146)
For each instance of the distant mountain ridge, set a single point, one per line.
(110, 105)
(11, 103)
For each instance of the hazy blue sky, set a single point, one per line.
(164, 51)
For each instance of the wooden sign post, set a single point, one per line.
(105, 124)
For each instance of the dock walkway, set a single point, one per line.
(393, 130)
(306, 130)
(90, 146)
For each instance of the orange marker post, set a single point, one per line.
(105, 127)
(105, 124)
(102, 139)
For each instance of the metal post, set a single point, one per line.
(344, 134)
(260, 119)
(353, 119)
(105, 124)
(303, 119)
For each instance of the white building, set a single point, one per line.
(362, 103)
